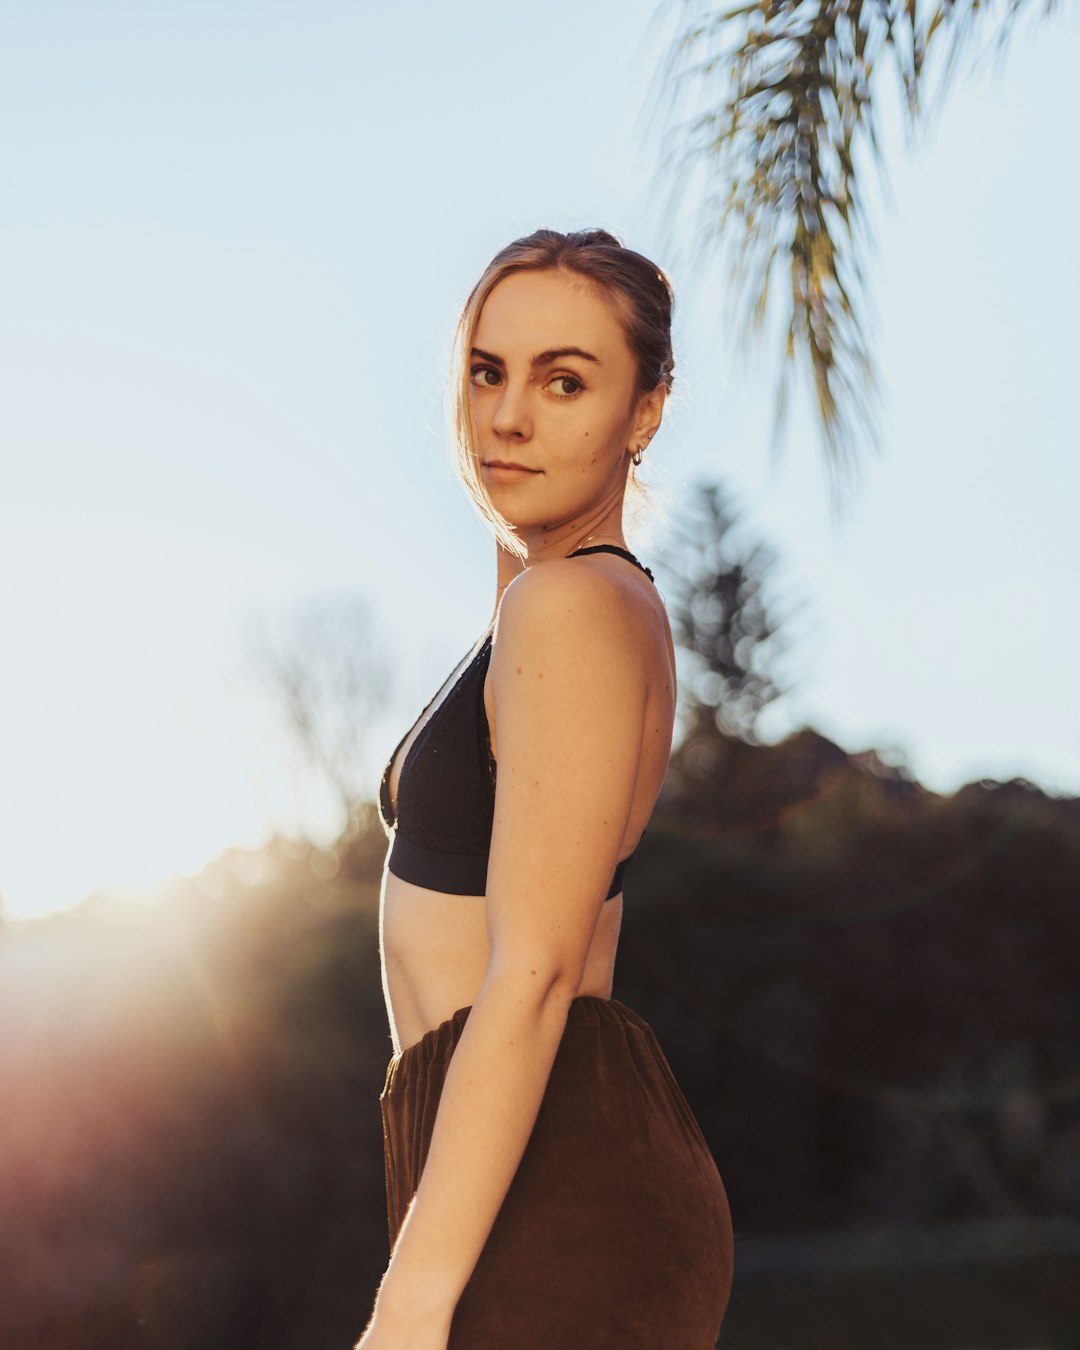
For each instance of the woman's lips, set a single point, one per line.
(503, 473)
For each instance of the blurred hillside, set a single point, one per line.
(868, 992)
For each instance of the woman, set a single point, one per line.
(547, 1183)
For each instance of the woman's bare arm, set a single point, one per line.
(569, 688)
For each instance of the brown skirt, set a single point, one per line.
(615, 1232)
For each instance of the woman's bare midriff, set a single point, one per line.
(435, 954)
(434, 945)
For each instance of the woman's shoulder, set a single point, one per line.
(566, 604)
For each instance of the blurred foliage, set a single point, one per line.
(191, 1145)
(714, 588)
(868, 992)
(773, 159)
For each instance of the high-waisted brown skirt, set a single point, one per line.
(615, 1233)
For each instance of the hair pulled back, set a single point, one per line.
(641, 295)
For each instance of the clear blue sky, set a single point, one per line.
(234, 241)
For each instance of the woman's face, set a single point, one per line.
(564, 415)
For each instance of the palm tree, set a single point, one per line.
(788, 88)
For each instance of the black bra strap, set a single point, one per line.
(614, 548)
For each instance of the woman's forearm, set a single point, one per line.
(491, 1096)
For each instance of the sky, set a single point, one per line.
(235, 241)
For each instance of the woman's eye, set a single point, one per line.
(482, 370)
(484, 383)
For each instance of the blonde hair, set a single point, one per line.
(641, 295)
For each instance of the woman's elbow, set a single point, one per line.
(546, 978)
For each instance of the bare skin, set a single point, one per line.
(580, 701)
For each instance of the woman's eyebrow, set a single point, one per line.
(541, 358)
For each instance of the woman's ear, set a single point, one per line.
(650, 410)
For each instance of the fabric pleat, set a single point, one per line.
(615, 1233)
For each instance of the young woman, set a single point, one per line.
(547, 1183)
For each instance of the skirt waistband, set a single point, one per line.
(436, 1046)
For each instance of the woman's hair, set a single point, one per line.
(639, 292)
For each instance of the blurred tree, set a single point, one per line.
(715, 595)
(788, 93)
(870, 1004)
(321, 666)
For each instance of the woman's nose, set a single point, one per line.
(511, 414)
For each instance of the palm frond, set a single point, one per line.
(774, 165)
